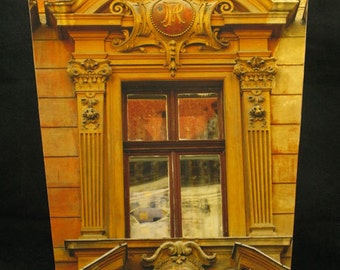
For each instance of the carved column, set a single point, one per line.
(89, 78)
(256, 76)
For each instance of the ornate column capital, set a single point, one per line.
(256, 73)
(89, 75)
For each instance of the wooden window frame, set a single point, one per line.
(173, 147)
(114, 184)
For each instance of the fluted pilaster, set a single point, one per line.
(89, 78)
(256, 76)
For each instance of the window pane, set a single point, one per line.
(198, 116)
(146, 117)
(149, 197)
(201, 196)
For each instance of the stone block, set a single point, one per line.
(289, 80)
(284, 224)
(285, 139)
(66, 266)
(62, 172)
(53, 83)
(59, 234)
(64, 202)
(60, 141)
(283, 198)
(62, 255)
(290, 50)
(52, 53)
(58, 112)
(44, 32)
(286, 109)
(284, 168)
(295, 29)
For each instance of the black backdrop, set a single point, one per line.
(25, 241)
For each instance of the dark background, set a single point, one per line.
(25, 239)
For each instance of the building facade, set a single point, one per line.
(169, 121)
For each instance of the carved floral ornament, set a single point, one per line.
(171, 26)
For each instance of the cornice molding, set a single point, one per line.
(64, 6)
(90, 6)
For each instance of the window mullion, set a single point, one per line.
(176, 196)
(173, 115)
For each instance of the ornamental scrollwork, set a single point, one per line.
(170, 26)
(179, 255)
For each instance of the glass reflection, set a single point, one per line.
(201, 196)
(198, 116)
(149, 197)
(146, 117)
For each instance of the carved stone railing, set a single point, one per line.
(89, 79)
(256, 76)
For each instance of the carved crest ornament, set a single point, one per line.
(179, 255)
(171, 26)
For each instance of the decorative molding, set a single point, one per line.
(114, 259)
(248, 257)
(171, 27)
(64, 6)
(179, 255)
(89, 79)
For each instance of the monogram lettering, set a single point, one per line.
(172, 17)
(172, 12)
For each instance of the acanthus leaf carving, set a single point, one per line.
(89, 75)
(256, 73)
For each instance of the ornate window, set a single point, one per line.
(174, 155)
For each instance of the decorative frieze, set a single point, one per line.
(256, 77)
(89, 78)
